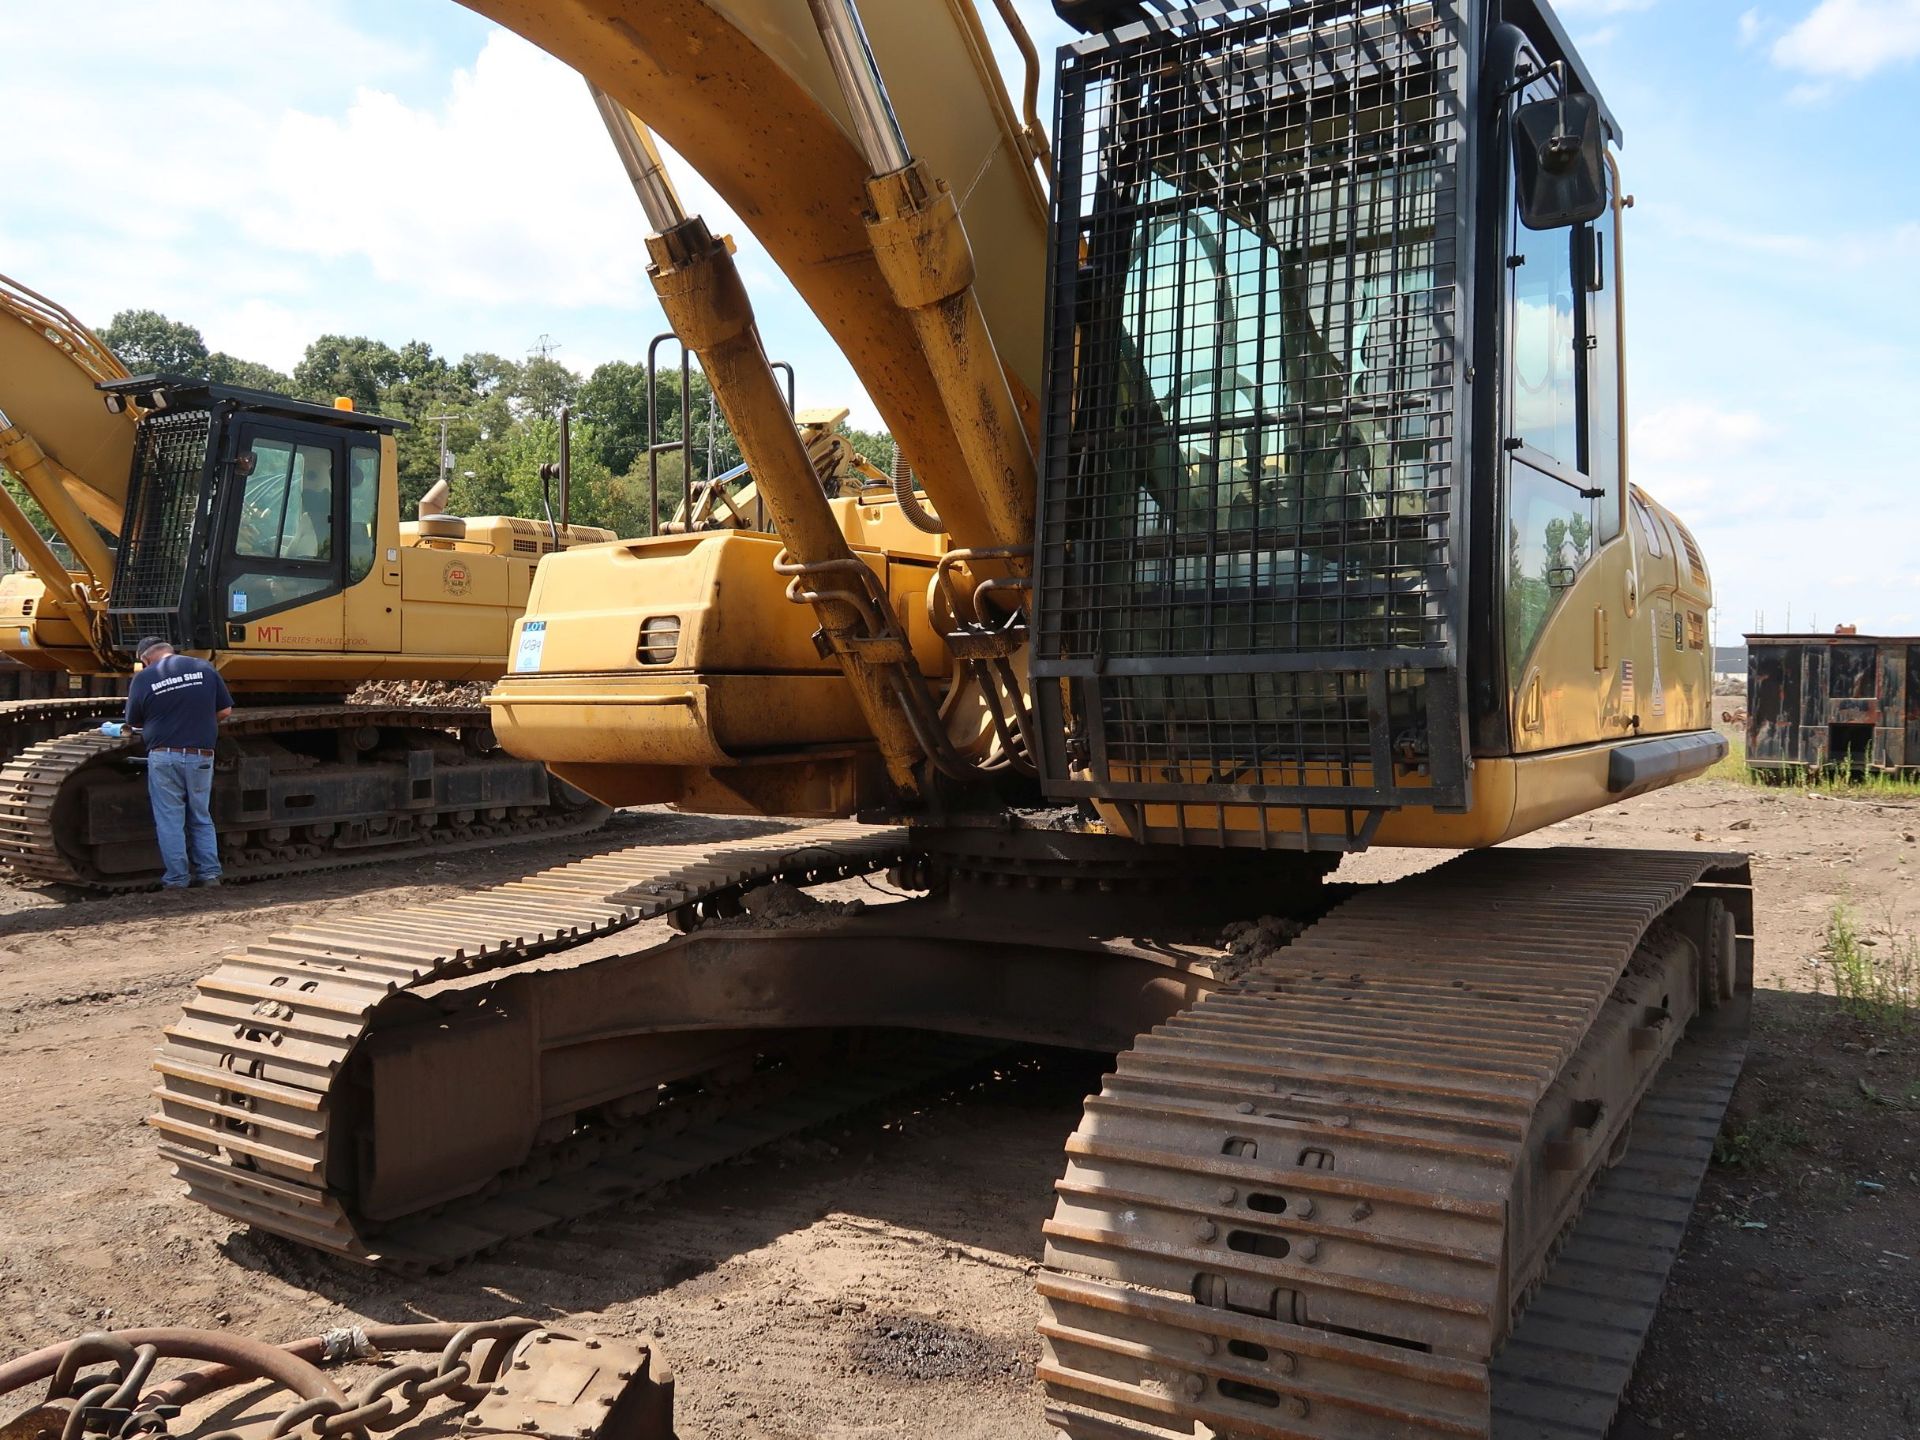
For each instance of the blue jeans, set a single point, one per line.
(178, 787)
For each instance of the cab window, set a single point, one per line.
(363, 501)
(1649, 529)
(1563, 410)
(287, 509)
(1541, 301)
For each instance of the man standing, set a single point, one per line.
(179, 702)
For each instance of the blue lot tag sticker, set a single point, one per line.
(533, 640)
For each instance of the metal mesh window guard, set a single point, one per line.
(1249, 503)
(165, 515)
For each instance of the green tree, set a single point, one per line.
(148, 343)
(351, 365)
(35, 515)
(614, 401)
(225, 369)
(542, 386)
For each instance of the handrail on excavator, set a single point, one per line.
(85, 348)
(1034, 133)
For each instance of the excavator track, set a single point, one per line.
(1314, 1203)
(46, 823)
(250, 1075)
(29, 722)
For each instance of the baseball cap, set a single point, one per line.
(148, 642)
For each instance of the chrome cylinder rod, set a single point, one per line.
(875, 125)
(641, 159)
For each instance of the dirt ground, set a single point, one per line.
(874, 1280)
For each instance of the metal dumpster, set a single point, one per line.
(1833, 701)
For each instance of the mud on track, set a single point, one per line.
(874, 1280)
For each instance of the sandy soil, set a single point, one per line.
(874, 1280)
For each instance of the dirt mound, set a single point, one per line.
(778, 903)
(419, 692)
(1248, 942)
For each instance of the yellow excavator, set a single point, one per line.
(1263, 497)
(264, 534)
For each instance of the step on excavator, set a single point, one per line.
(262, 534)
(1263, 498)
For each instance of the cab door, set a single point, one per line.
(373, 540)
(283, 557)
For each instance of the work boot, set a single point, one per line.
(207, 883)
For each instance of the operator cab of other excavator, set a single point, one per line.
(260, 524)
(241, 505)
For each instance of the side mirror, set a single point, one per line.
(1559, 162)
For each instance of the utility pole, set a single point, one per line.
(446, 456)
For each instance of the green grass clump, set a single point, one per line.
(1875, 978)
(1835, 778)
(1733, 766)
(1760, 1143)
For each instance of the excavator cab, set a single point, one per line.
(1334, 478)
(242, 506)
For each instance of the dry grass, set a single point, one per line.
(1875, 975)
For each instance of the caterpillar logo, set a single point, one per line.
(457, 579)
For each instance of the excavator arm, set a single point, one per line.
(745, 92)
(71, 456)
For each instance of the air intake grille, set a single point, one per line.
(159, 547)
(1248, 568)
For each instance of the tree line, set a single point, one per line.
(499, 414)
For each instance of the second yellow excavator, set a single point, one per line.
(264, 534)
(1271, 423)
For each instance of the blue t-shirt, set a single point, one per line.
(176, 702)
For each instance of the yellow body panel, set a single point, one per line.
(1624, 652)
(742, 686)
(1512, 796)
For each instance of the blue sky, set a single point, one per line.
(273, 169)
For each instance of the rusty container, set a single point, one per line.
(1828, 701)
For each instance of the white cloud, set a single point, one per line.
(1753, 25)
(510, 188)
(1851, 250)
(1807, 94)
(370, 194)
(1851, 39)
(1689, 432)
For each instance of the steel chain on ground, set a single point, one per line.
(112, 1407)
